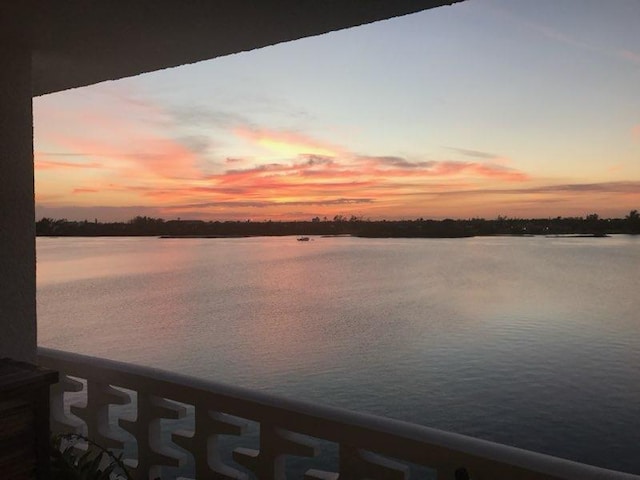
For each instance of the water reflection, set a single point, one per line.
(526, 341)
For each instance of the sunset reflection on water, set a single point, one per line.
(497, 337)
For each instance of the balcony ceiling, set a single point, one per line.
(82, 42)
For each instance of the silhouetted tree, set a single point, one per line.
(633, 221)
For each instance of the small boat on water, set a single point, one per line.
(303, 239)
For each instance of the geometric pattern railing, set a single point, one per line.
(368, 446)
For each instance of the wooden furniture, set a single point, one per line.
(24, 420)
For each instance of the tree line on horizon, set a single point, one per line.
(591, 224)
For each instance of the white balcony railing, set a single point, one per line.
(367, 446)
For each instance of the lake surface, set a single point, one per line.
(532, 342)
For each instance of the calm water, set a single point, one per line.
(532, 342)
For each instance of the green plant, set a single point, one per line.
(96, 463)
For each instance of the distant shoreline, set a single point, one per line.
(199, 236)
(591, 226)
(214, 237)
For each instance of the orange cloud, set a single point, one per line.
(40, 164)
(314, 181)
(499, 172)
(138, 159)
(85, 190)
(380, 201)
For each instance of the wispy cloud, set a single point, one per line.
(551, 33)
(632, 187)
(41, 164)
(401, 167)
(196, 115)
(563, 37)
(270, 203)
(197, 144)
(138, 144)
(473, 153)
(163, 166)
(395, 162)
(84, 190)
(632, 56)
(441, 200)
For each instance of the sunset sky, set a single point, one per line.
(489, 107)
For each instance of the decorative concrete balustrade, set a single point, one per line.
(367, 446)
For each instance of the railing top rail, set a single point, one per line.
(321, 421)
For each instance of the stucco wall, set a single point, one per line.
(17, 227)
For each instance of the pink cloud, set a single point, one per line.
(143, 162)
(41, 164)
(313, 178)
(635, 131)
(148, 156)
(137, 144)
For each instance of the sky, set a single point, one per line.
(483, 108)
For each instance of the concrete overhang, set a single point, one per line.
(81, 42)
